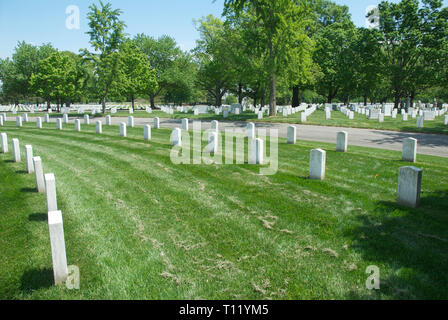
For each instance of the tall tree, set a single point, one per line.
(215, 71)
(137, 77)
(284, 24)
(106, 35)
(162, 54)
(410, 35)
(58, 78)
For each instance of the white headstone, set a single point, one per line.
(409, 150)
(409, 186)
(47, 118)
(147, 132)
(78, 125)
(213, 142)
(16, 150)
(176, 137)
(250, 130)
(215, 125)
(4, 138)
(123, 132)
(50, 188)
(59, 123)
(131, 121)
(317, 164)
(185, 124)
(25, 117)
(39, 123)
(65, 118)
(1, 120)
(156, 123)
(86, 119)
(19, 121)
(256, 152)
(445, 120)
(108, 120)
(302, 117)
(29, 158)
(57, 242)
(420, 122)
(292, 135)
(39, 173)
(99, 127)
(342, 141)
(381, 117)
(405, 116)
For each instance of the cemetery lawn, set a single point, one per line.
(140, 227)
(338, 119)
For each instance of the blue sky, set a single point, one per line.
(42, 21)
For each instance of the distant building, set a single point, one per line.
(372, 17)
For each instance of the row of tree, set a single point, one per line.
(283, 51)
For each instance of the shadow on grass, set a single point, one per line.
(22, 172)
(39, 217)
(36, 279)
(28, 190)
(423, 138)
(412, 243)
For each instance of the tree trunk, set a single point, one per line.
(103, 103)
(412, 96)
(262, 97)
(48, 104)
(151, 98)
(396, 99)
(365, 100)
(295, 96)
(329, 98)
(272, 96)
(240, 93)
(132, 99)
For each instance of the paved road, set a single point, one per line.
(430, 144)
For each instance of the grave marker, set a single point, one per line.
(108, 120)
(176, 137)
(50, 188)
(123, 132)
(16, 150)
(99, 127)
(78, 125)
(19, 121)
(86, 119)
(4, 138)
(213, 142)
(59, 124)
(57, 242)
(292, 135)
(185, 124)
(342, 141)
(317, 164)
(39, 173)
(39, 123)
(147, 132)
(29, 158)
(409, 150)
(131, 121)
(156, 123)
(409, 186)
(250, 130)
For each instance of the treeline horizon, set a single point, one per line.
(279, 52)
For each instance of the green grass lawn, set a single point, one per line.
(140, 227)
(338, 119)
